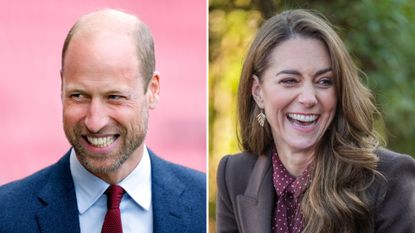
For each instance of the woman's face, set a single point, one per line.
(297, 93)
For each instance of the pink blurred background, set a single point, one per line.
(31, 38)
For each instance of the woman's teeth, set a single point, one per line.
(302, 117)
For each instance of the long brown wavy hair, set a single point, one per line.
(345, 164)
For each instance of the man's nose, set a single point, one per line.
(96, 117)
(307, 96)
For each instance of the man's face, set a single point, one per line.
(105, 107)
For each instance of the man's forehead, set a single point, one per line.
(104, 33)
(101, 85)
(107, 20)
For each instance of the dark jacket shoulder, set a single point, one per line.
(392, 164)
(179, 197)
(28, 200)
(395, 194)
(245, 193)
(21, 192)
(17, 202)
(188, 176)
(234, 171)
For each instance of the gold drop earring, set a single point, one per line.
(261, 118)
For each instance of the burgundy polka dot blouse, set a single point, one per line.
(287, 212)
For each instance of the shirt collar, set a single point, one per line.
(90, 188)
(285, 182)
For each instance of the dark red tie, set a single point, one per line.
(112, 222)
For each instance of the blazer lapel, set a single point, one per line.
(169, 209)
(58, 210)
(254, 207)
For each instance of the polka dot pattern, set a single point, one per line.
(287, 215)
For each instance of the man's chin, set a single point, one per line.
(101, 168)
(101, 164)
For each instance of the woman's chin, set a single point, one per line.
(301, 145)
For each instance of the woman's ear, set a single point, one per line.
(257, 91)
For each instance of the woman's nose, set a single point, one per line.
(307, 96)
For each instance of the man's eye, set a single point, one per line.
(77, 96)
(115, 97)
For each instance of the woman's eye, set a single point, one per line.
(326, 82)
(288, 82)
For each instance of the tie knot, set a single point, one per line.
(114, 196)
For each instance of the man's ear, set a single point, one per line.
(61, 74)
(257, 91)
(153, 90)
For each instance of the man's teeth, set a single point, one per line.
(101, 141)
(303, 118)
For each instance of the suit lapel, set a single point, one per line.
(58, 210)
(254, 207)
(169, 209)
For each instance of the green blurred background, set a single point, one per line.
(380, 35)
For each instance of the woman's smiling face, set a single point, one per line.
(297, 93)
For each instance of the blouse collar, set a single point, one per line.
(285, 182)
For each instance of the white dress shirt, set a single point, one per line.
(136, 208)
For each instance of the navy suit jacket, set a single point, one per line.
(46, 201)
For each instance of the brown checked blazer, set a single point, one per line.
(246, 196)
